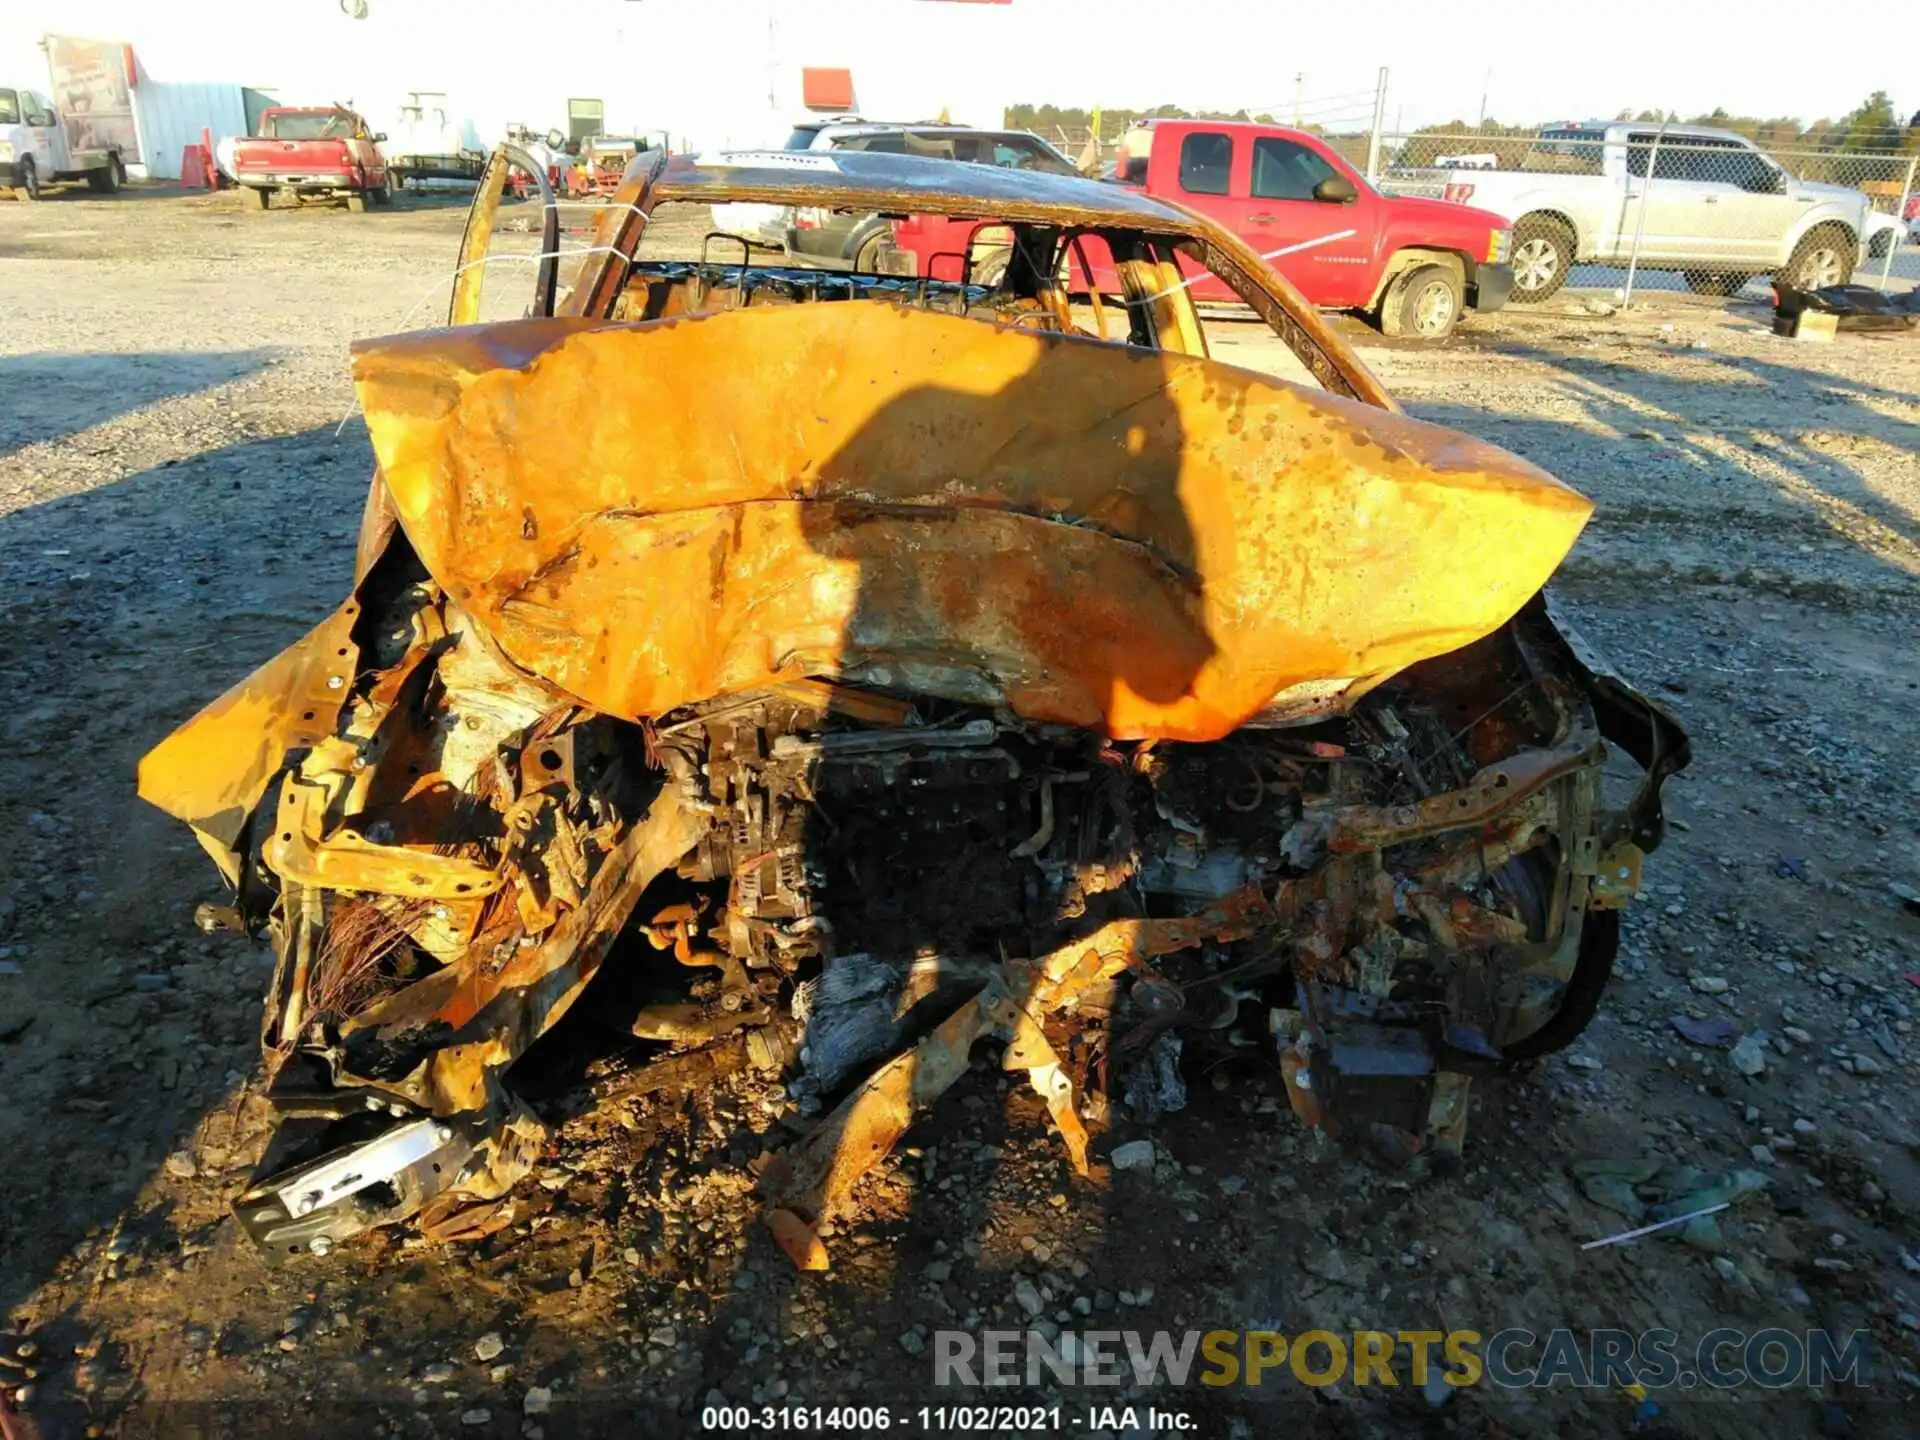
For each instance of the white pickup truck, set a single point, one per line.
(1718, 210)
(34, 150)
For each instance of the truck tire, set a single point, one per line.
(864, 245)
(1542, 255)
(384, 194)
(106, 179)
(992, 268)
(1823, 257)
(253, 197)
(29, 186)
(1716, 282)
(1424, 303)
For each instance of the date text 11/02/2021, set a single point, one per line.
(869, 1419)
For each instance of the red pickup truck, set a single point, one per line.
(1410, 266)
(322, 151)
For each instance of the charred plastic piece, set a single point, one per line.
(858, 676)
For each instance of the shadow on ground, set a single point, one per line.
(54, 396)
(122, 611)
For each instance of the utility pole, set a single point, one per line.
(1298, 80)
(1485, 86)
(1373, 133)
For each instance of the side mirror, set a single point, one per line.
(380, 137)
(1335, 190)
(555, 139)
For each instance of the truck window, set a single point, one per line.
(310, 126)
(1566, 152)
(1287, 170)
(1206, 160)
(1746, 169)
(9, 108)
(1639, 147)
(1723, 162)
(1675, 163)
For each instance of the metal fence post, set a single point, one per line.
(1373, 131)
(1900, 214)
(1646, 194)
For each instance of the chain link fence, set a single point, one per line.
(1638, 205)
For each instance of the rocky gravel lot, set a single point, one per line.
(180, 482)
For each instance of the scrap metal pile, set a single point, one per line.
(860, 683)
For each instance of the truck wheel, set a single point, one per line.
(29, 186)
(1823, 257)
(1716, 282)
(1542, 256)
(106, 179)
(1423, 304)
(992, 268)
(867, 258)
(383, 195)
(253, 197)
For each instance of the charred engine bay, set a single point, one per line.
(817, 877)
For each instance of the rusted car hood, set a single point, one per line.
(1148, 544)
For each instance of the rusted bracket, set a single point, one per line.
(300, 851)
(1617, 876)
(1356, 829)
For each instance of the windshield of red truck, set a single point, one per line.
(316, 125)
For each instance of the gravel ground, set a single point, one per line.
(180, 481)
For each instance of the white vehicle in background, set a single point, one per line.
(1718, 210)
(34, 150)
(767, 225)
(427, 148)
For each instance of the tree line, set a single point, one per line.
(1871, 127)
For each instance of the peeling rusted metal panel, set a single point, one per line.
(1149, 544)
(212, 771)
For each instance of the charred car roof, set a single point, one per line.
(866, 181)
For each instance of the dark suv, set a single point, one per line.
(858, 239)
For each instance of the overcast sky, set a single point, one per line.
(1548, 61)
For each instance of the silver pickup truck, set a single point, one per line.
(1718, 210)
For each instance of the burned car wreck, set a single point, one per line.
(858, 668)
